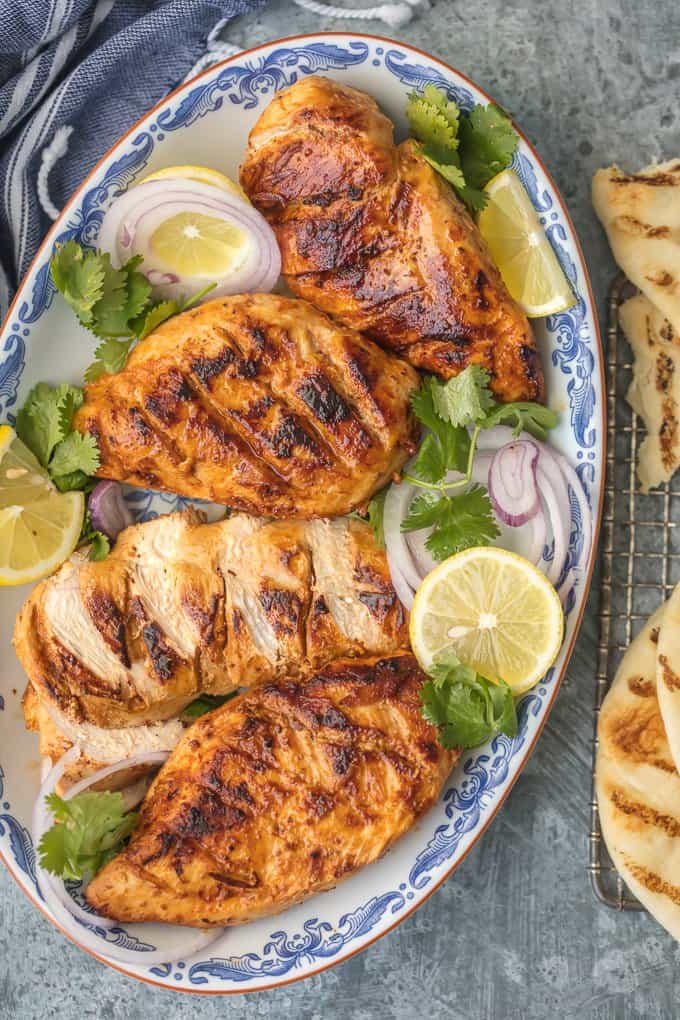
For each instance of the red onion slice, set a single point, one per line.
(405, 592)
(109, 512)
(512, 482)
(555, 490)
(550, 484)
(74, 919)
(128, 225)
(576, 486)
(399, 498)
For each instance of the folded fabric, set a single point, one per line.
(92, 65)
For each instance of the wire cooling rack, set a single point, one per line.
(640, 562)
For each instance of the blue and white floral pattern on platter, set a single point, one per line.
(207, 122)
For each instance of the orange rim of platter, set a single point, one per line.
(596, 529)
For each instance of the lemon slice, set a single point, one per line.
(511, 228)
(39, 526)
(204, 174)
(194, 244)
(497, 612)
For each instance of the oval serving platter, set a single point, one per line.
(207, 121)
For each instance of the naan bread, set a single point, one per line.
(654, 393)
(668, 673)
(641, 214)
(637, 785)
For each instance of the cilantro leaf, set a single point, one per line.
(424, 511)
(422, 402)
(88, 831)
(45, 419)
(430, 464)
(111, 356)
(447, 448)
(100, 545)
(467, 149)
(151, 319)
(444, 663)
(376, 512)
(466, 707)
(79, 275)
(114, 304)
(72, 481)
(474, 199)
(77, 452)
(464, 521)
(207, 703)
(459, 711)
(465, 398)
(46, 416)
(524, 417)
(487, 144)
(40, 422)
(434, 123)
(451, 172)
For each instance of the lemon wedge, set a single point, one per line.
(497, 612)
(39, 526)
(204, 174)
(518, 244)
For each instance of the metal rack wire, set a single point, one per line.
(640, 562)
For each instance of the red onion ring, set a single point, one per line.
(512, 482)
(557, 487)
(109, 512)
(124, 233)
(397, 502)
(576, 486)
(553, 568)
(69, 914)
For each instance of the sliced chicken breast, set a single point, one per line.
(99, 747)
(180, 607)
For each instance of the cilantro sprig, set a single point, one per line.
(466, 708)
(88, 832)
(455, 412)
(467, 149)
(114, 304)
(45, 425)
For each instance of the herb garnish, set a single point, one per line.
(467, 149)
(88, 832)
(114, 304)
(45, 425)
(449, 410)
(467, 708)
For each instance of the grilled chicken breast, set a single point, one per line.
(180, 607)
(98, 745)
(278, 795)
(371, 234)
(258, 402)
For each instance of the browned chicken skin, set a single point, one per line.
(279, 794)
(258, 402)
(371, 234)
(180, 607)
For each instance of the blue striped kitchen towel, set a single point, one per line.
(94, 66)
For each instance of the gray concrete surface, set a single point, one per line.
(516, 933)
